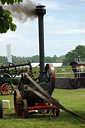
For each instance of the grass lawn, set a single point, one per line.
(71, 99)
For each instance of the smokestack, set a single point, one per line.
(41, 11)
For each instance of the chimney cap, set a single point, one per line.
(40, 10)
(40, 6)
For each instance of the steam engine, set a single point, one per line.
(25, 97)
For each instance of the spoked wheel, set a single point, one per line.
(6, 89)
(1, 109)
(24, 109)
(50, 72)
(17, 103)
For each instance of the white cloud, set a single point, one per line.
(61, 47)
(49, 4)
(62, 26)
(10, 37)
(70, 31)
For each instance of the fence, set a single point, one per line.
(68, 72)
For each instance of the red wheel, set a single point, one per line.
(6, 89)
(24, 108)
(17, 101)
(50, 71)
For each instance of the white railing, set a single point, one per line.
(68, 72)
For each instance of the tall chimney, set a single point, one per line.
(41, 11)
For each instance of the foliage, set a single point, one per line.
(3, 59)
(64, 72)
(60, 59)
(6, 21)
(18, 60)
(34, 59)
(74, 54)
(10, 1)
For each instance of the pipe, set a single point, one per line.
(40, 11)
(11, 65)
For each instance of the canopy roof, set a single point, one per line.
(77, 63)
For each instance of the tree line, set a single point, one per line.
(72, 55)
(33, 59)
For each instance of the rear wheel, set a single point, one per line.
(24, 109)
(1, 109)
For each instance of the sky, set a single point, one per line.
(64, 29)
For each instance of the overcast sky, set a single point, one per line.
(64, 29)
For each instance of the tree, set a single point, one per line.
(74, 54)
(55, 58)
(6, 21)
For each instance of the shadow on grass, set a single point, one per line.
(63, 117)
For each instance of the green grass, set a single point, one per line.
(71, 99)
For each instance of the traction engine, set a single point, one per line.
(34, 92)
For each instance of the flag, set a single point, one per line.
(8, 49)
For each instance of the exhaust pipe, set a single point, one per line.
(41, 11)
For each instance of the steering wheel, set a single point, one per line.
(9, 68)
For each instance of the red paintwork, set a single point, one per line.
(6, 89)
(41, 106)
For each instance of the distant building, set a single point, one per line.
(54, 64)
